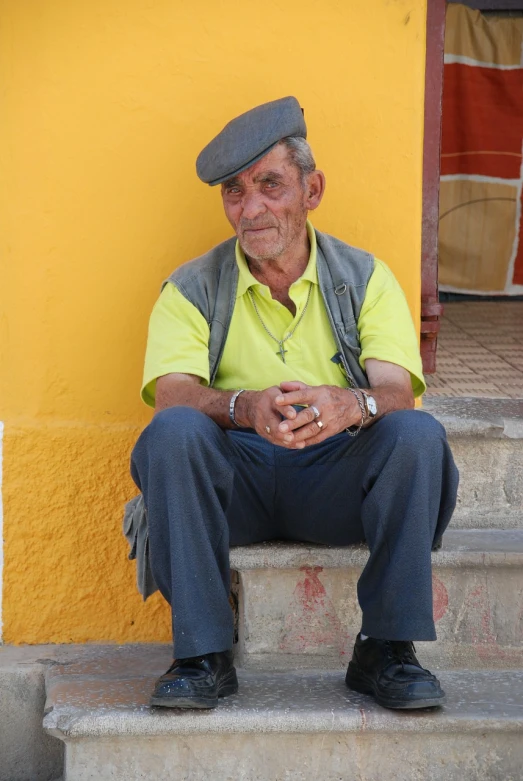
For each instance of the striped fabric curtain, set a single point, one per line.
(481, 228)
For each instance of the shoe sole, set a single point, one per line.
(364, 685)
(228, 686)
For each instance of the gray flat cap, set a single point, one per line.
(247, 138)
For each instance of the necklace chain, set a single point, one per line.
(281, 342)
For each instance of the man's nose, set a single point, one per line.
(252, 205)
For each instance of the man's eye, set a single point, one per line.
(271, 185)
(233, 190)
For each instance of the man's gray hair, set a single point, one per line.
(300, 154)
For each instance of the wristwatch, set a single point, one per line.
(371, 408)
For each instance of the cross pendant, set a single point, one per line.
(282, 352)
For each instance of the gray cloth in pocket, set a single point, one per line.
(136, 532)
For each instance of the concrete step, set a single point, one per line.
(486, 439)
(297, 608)
(303, 726)
(27, 753)
(297, 604)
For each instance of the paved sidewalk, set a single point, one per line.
(480, 350)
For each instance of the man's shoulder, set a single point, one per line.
(210, 264)
(341, 264)
(209, 281)
(329, 244)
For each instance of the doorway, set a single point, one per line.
(480, 269)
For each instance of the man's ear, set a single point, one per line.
(314, 189)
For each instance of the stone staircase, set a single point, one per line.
(297, 612)
(298, 605)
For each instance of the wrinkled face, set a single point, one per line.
(267, 205)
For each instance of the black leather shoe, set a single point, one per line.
(196, 682)
(390, 672)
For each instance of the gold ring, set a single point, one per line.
(319, 424)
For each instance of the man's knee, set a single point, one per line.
(413, 430)
(173, 432)
(181, 424)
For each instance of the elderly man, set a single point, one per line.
(283, 366)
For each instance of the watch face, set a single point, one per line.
(373, 407)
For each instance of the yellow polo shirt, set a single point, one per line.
(179, 335)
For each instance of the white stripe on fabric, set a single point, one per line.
(480, 178)
(513, 290)
(459, 59)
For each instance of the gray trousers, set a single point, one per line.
(205, 489)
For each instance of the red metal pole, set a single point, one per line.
(431, 309)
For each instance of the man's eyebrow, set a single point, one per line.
(234, 182)
(262, 177)
(267, 175)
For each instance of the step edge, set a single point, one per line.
(69, 723)
(473, 416)
(343, 560)
(282, 555)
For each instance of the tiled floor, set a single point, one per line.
(480, 350)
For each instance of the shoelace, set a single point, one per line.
(403, 652)
(190, 660)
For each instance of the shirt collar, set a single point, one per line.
(247, 280)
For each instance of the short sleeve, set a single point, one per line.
(385, 326)
(178, 341)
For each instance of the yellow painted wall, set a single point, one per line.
(105, 105)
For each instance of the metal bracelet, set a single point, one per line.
(353, 431)
(232, 405)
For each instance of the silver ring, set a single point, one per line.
(316, 411)
(268, 429)
(319, 424)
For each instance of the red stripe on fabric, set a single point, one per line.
(517, 279)
(482, 112)
(493, 165)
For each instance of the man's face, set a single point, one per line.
(267, 205)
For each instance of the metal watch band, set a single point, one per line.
(366, 403)
(232, 405)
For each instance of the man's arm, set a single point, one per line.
(391, 387)
(253, 409)
(338, 407)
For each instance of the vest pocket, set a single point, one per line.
(350, 338)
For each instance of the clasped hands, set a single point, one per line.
(338, 410)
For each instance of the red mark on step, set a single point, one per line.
(311, 623)
(480, 624)
(440, 598)
(311, 591)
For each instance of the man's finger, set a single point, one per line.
(272, 432)
(306, 433)
(321, 437)
(301, 419)
(287, 412)
(302, 396)
(292, 385)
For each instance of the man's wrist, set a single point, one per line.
(242, 412)
(361, 417)
(371, 407)
(232, 407)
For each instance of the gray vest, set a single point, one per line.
(210, 283)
